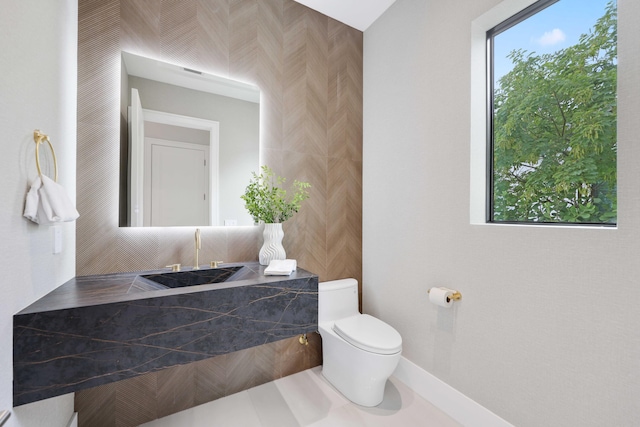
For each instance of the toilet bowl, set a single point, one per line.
(360, 352)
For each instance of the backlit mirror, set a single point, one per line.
(189, 141)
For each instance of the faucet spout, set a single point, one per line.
(196, 265)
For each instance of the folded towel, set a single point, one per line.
(280, 267)
(47, 203)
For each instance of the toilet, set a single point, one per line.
(360, 352)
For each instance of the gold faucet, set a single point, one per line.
(198, 247)
(173, 267)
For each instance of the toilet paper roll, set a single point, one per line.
(441, 297)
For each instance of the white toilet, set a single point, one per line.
(360, 352)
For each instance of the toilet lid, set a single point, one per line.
(369, 333)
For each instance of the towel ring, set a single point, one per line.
(39, 137)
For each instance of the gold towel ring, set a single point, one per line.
(39, 137)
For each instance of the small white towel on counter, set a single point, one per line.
(281, 267)
(47, 203)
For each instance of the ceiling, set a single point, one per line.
(175, 75)
(358, 14)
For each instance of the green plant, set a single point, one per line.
(267, 202)
(555, 122)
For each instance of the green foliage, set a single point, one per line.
(555, 142)
(267, 202)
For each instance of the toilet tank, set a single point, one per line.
(337, 299)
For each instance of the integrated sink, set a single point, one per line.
(182, 279)
(95, 330)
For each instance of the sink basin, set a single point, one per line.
(181, 279)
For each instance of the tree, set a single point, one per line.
(555, 142)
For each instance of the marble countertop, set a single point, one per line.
(83, 291)
(94, 330)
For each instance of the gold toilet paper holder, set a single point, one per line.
(457, 296)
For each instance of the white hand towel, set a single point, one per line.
(47, 203)
(281, 267)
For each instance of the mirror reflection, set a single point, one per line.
(189, 140)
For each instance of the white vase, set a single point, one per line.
(272, 246)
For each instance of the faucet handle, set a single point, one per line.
(216, 264)
(174, 267)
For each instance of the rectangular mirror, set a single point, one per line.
(189, 141)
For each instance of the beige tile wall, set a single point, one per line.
(309, 69)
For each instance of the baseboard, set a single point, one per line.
(455, 404)
(73, 421)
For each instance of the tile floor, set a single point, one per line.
(306, 399)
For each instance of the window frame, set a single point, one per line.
(508, 23)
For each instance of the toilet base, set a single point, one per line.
(361, 376)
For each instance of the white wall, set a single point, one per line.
(38, 43)
(547, 331)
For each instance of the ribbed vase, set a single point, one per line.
(272, 247)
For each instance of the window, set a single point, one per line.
(552, 114)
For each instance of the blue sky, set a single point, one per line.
(556, 27)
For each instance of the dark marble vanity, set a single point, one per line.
(95, 330)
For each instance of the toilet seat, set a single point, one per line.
(369, 333)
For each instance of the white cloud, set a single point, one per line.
(552, 37)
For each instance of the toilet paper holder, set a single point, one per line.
(456, 296)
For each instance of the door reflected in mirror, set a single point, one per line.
(188, 142)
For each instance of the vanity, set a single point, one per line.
(95, 330)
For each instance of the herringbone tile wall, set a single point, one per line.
(309, 70)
